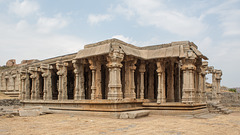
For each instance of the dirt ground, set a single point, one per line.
(75, 124)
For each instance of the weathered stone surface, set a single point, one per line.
(29, 61)
(11, 63)
(9, 102)
(29, 113)
(134, 114)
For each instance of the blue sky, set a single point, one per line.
(40, 29)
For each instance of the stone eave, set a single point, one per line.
(173, 49)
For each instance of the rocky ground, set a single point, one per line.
(71, 124)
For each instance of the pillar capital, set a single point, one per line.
(46, 69)
(160, 66)
(115, 58)
(33, 71)
(142, 67)
(189, 64)
(218, 74)
(93, 63)
(61, 67)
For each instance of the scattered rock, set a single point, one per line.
(29, 113)
(133, 114)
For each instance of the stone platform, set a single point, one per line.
(87, 105)
(173, 108)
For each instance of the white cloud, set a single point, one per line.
(22, 41)
(125, 39)
(46, 25)
(228, 15)
(95, 19)
(155, 13)
(23, 8)
(230, 23)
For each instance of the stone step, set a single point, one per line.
(133, 114)
(11, 93)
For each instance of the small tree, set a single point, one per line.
(232, 90)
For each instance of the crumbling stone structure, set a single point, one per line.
(113, 71)
(216, 80)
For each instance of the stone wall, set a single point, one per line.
(227, 99)
(230, 99)
(9, 102)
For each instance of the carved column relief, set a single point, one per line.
(142, 70)
(218, 80)
(203, 81)
(6, 77)
(129, 77)
(62, 73)
(160, 90)
(79, 90)
(35, 76)
(114, 59)
(214, 90)
(23, 77)
(14, 76)
(188, 68)
(47, 74)
(25, 89)
(198, 78)
(93, 67)
(98, 78)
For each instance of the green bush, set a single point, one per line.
(232, 90)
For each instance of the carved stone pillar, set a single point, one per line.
(6, 81)
(98, 78)
(62, 73)
(47, 74)
(218, 81)
(198, 78)
(14, 81)
(79, 91)
(93, 67)
(203, 81)
(214, 90)
(23, 77)
(188, 68)
(35, 92)
(129, 78)
(161, 92)
(114, 59)
(142, 70)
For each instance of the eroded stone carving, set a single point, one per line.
(114, 59)
(62, 83)
(47, 73)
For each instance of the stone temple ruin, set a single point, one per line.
(114, 76)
